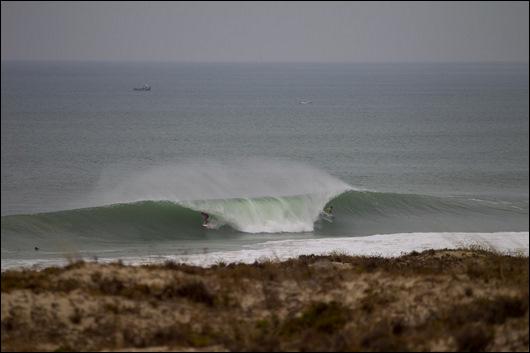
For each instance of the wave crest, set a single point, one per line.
(266, 214)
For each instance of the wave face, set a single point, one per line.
(248, 197)
(152, 220)
(164, 203)
(168, 219)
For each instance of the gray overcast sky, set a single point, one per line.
(266, 31)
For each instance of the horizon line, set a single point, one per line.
(261, 62)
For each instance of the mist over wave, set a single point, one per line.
(252, 195)
(160, 207)
(208, 180)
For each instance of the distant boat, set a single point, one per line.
(306, 102)
(143, 88)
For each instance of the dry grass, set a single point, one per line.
(465, 300)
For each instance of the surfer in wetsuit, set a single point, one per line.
(205, 217)
(329, 210)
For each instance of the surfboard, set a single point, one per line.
(208, 226)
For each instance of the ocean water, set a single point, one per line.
(92, 168)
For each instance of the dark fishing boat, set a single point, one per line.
(143, 88)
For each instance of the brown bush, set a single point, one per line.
(473, 337)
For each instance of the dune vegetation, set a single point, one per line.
(451, 300)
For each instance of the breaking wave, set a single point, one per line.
(250, 196)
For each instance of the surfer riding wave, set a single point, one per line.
(205, 219)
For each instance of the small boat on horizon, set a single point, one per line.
(306, 102)
(143, 88)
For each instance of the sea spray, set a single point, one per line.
(157, 210)
(209, 180)
(252, 195)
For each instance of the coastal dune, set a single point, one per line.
(463, 299)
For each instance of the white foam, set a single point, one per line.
(386, 245)
(267, 215)
(229, 191)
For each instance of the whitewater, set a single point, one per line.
(383, 245)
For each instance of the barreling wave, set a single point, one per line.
(151, 220)
(167, 219)
(253, 196)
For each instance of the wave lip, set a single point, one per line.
(266, 214)
(210, 180)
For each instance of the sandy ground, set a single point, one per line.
(444, 300)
